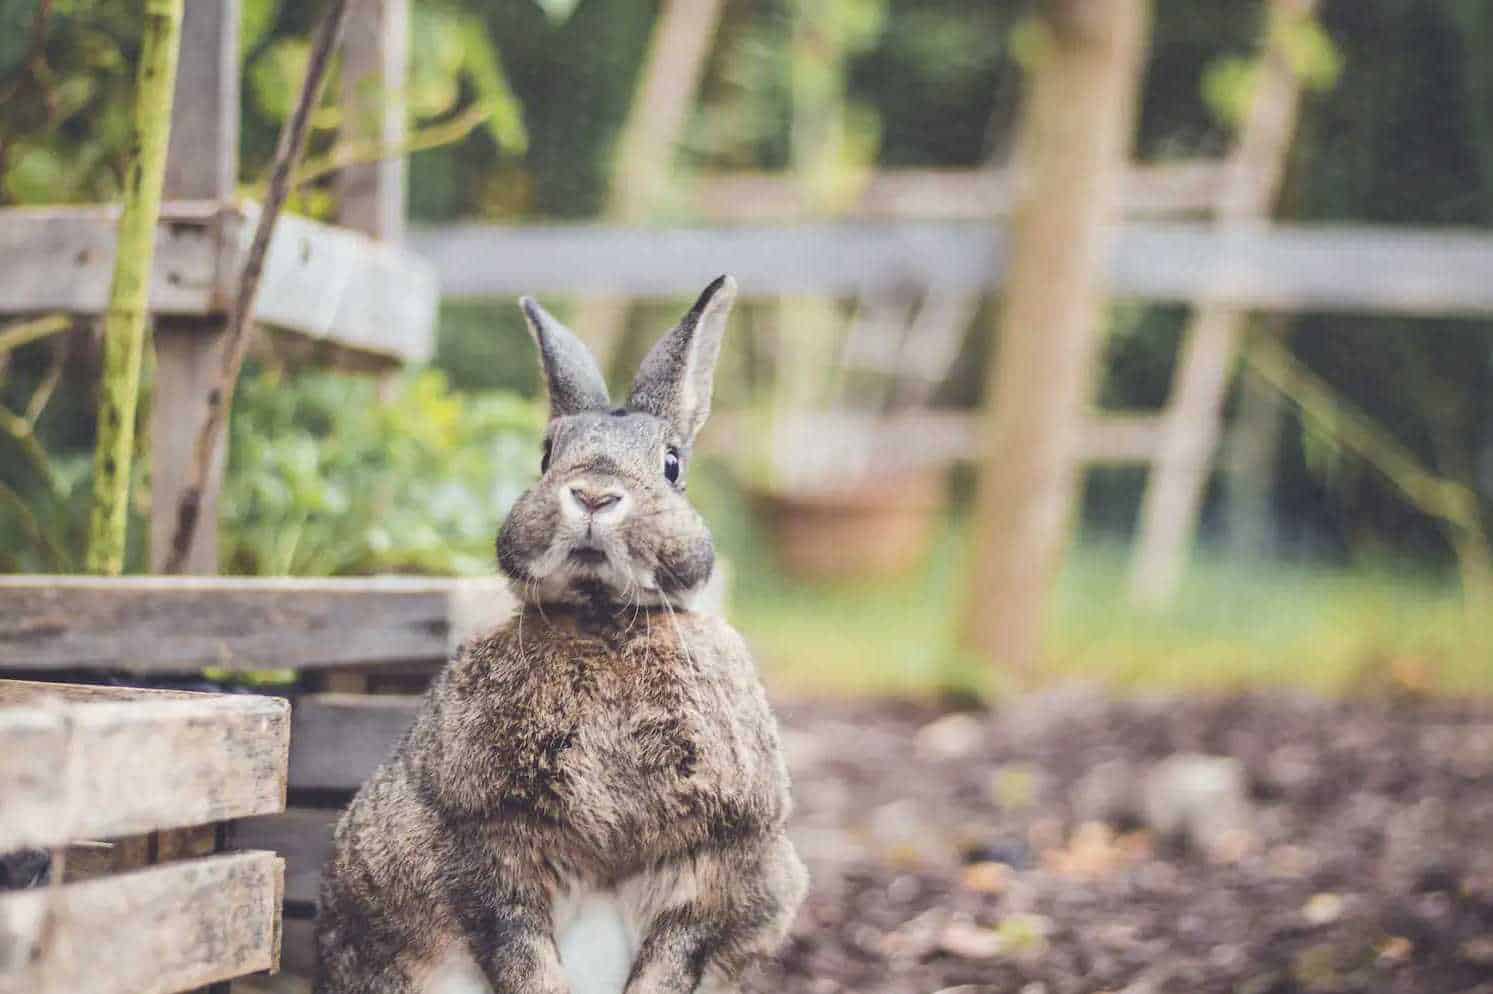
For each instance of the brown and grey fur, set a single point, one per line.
(592, 797)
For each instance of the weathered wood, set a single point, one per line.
(202, 162)
(1272, 268)
(102, 762)
(181, 624)
(1148, 190)
(302, 837)
(327, 282)
(1193, 419)
(341, 738)
(60, 258)
(202, 165)
(153, 931)
(825, 440)
(375, 51)
(1076, 130)
(188, 354)
(320, 281)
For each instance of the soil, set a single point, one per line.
(1001, 850)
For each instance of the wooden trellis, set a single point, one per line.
(351, 290)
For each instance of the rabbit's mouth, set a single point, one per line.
(588, 555)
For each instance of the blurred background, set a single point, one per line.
(1312, 565)
(1113, 537)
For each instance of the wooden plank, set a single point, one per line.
(181, 624)
(202, 162)
(1281, 267)
(98, 763)
(930, 437)
(62, 259)
(188, 354)
(375, 53)
(320, 281)
(330, 283)
(1149, 190)
(153, 931)
(302, 837)
(340, 739)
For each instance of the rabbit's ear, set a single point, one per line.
(574, 381)
(675, 379)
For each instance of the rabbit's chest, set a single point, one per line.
(653, 763)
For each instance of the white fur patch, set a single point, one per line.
(597, 942)
(455, 973)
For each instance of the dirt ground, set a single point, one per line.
(1071, 843)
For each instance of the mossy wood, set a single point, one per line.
(124, 325)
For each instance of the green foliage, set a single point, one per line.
(325, 479)
(64, 133)
(67, 101)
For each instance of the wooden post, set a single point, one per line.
(1070, 158)
(1249, 464)
(375, 50)
(201, 165)
(677, 51)
(1193, 421)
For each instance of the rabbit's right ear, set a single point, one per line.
(571, 375)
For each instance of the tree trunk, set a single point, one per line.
(129, 294)
(1070, 159)
(1193, 421)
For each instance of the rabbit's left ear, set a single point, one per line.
(675, 379)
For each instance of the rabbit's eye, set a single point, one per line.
(544, 460)
(671, 466)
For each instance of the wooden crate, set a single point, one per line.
(156, 772)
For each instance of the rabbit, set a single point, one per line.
(592, 798)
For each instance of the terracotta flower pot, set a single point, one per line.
(876, 528)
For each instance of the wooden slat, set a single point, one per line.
(945, 194)
(181, 624)
(1286, 268)
(62, 259)
(300, 836)
(341, 738)
(154, 931)
(320, 281)
(102, 762)
(850, 442)
(342, 286)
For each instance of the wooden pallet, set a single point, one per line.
(157, 909)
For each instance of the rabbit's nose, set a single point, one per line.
(595, 500)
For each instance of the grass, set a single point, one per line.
(1237, 624)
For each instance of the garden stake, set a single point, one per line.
(124, 324)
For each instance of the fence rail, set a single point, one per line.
(1273, 268)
